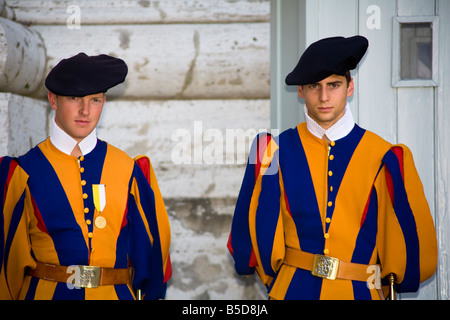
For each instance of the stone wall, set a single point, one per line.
(23, 123)
(196, 94)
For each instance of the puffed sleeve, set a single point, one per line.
(150, 232)
(256, 237)
(407, 241)
(15, 243)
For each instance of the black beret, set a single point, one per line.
(328, 56)
(82, 75)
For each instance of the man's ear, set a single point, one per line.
(300, 92)
(52, 100)
(351, 88)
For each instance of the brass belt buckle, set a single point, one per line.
(89, 276)
(325, 267)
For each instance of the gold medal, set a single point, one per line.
(100, 222)
(98, 191)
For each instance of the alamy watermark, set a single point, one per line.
(374, 280)
(74, 20)
(212, 145)
(374, 20)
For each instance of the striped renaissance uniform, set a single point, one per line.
(49, 218)
(358, 199)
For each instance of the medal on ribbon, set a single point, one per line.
(98, 191)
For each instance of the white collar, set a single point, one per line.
(65, 143)
(337, 131)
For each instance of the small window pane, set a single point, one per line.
(416, 51)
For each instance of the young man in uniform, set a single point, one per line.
(82, 219)
(328, 209)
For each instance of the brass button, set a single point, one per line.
(330, 203)
(326, 236)
(327, 220)
(85, 196)
(331, 188)
(81, 158)
(83, 182)
(332, 143)
(326, 251)
(86, 210)
(90, 234)
(88, 222)
(331, 157)
(81, 169)
(330, 173)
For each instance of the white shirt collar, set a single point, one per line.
(337, 131)
(65, 143)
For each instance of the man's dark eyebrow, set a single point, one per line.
(336, 82)
(328, 83)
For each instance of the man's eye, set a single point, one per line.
(335, 85)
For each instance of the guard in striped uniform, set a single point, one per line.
(81, 219)
(328, 210)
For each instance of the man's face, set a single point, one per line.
(77, 116)
(326, 99)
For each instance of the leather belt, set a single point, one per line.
(82, 276)
(328, 267)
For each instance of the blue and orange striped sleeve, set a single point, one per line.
(256, 218)
(13, 188)
(409, 246)
(149, 233)
(4, 172)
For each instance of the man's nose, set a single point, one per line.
(84, 108)
(324, 94)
